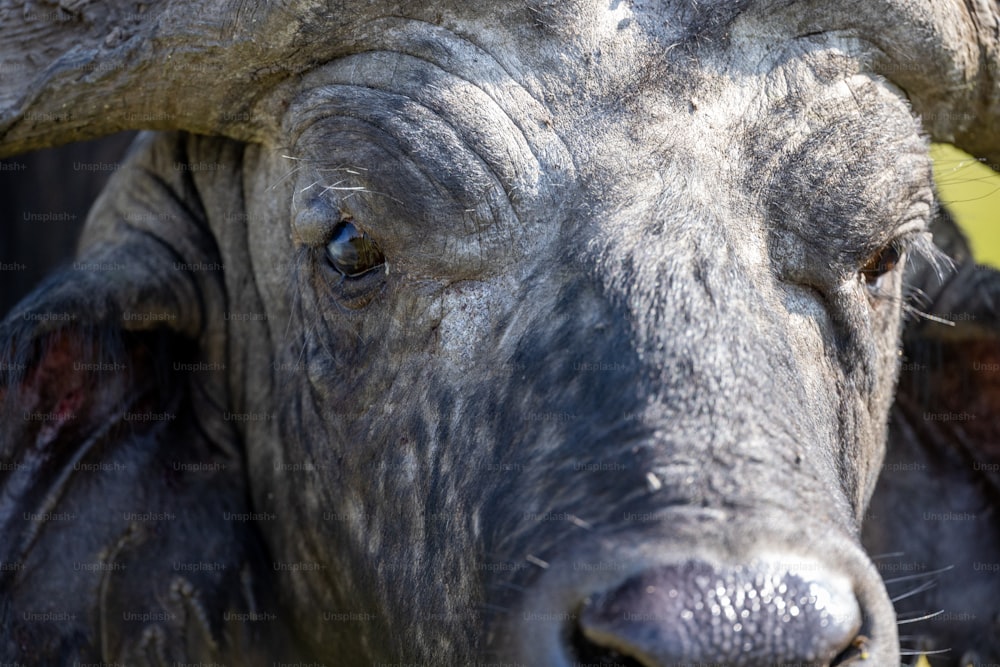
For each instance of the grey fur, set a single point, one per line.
(622, 318)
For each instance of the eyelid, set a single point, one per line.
(913, 225)
(905, 242)
(314, 223)
(903, 238)
(915, 236)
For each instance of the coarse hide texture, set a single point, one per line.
(538, 333)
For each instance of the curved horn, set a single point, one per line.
(102, 67)
(944, 53)
(947, 58)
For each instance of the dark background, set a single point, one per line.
(62, 182)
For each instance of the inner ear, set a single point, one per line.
(54, 391)
(66, 385)
(107, 459)
(74, 395)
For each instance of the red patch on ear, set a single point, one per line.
(66, 390)
(55, 387)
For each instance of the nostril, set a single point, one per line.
(739, 616)
(587, 653)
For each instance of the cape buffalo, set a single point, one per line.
(503, 333)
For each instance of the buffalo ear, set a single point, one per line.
(936, 510)
(123, 524)
(125, 531)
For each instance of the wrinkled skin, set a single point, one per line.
(623, 335)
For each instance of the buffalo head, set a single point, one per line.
(544, 333)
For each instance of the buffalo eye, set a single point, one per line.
(881, 263)
(352, 252)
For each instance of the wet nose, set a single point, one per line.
(744, 616)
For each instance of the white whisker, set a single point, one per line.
(925, 617)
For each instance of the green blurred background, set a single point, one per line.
(971, 191)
